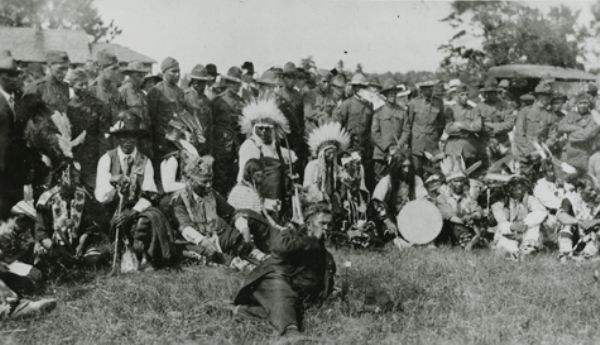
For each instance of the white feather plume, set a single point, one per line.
(328, 133)
(62, 123)
(263, 109)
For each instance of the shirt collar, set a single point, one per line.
(122, 154)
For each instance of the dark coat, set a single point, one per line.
(302, 259)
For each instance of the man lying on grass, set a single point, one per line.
(299, 272)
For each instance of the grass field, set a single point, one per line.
(446, 297)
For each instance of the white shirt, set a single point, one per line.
(105, 192)
(250, 149)
(549, 193)
(168, 175)
(10, 99)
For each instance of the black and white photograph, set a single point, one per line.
(251, 172)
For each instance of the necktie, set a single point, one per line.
(128, 164)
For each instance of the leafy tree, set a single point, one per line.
(54, 14)
(510, 32)
(308, 63)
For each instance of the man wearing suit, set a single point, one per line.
(9, 85)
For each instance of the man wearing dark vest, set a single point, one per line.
(125, 179)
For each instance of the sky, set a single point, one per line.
(382, 35)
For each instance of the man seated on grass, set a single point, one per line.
(203, 216)
(519, 217)
(577, 236)
(299, 272)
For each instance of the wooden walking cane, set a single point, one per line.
(114, 269)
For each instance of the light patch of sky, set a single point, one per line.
(381, 35)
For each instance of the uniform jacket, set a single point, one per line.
(106, 91)
(136, 102)
(533, 125)
(498, 119)
(55, 93)
(87, 114)
(355, 115)
(226, 109)
(200, 106)
(582, 134)
(164, 102)
(318, 109)
(291, 105)
(427, 124)
(390, 123)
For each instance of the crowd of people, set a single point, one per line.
(110, 164)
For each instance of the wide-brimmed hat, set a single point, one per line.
(128, 124)
(234, 74)
(559, 96)
(56, 56)
(389, 85)
(135, 67)
(543, 88)
(7, 62)
(490, 85)
(359, 79)
(374, 82)
(339, 80)
(168, 63)
(199, 72)
(211, 69)
(270, 77)
(106, 58)
(427, 84)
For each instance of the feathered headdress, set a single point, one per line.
(194, 165)
(66, 145)
(263, 109)
(187, 126)
(328, 134)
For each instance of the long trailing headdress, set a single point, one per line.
(327, 135)
(263, 109)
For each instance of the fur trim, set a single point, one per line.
(329, 133)
(263, 109)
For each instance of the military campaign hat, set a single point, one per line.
(389, 85)
(127, 124)
(200, 72)
(234, 74)
(135, 67)
(359, 79)
(106, 58)
(289, 69)
(270, 77)
(56, 56)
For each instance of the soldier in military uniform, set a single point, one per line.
(86, 113)
(105, 88)
(389, 128)
(227, 109)
(582, 126)
(52, 89)
(199, 104)
(319, 103)
(135, 101)
(291, 104)
(464, 128)
(426, 116)
(498, 120)
(165, 101)
(533, 124)
(355, 114)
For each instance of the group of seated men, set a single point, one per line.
(275, 220)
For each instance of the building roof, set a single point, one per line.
(539, 72)
(30, 44)
(122, 53)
